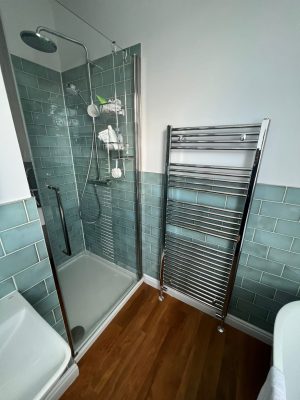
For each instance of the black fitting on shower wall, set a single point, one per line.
(67, 251)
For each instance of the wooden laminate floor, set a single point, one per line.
(169, 351)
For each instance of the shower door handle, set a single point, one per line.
(67, 251)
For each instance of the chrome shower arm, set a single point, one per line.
(40, 29)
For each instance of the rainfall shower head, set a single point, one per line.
(38, 41)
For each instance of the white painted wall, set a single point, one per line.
(204, 62)
(13, 182)
(209, 62)
(19, 15)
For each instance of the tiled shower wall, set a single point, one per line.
(60, 139)
(113, 234)
(269, 271)
(24, 263)
(40, 91)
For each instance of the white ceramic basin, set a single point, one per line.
(286, 350)
(32, 354)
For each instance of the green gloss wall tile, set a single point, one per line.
(16, 61)
(33, 275)
(12, 215)
(259, 288)
(46, 123)
(21, 236)
(291, 273)
(280, 210)
(47, 304)
(34, 69)
(284, 257)
(31, 209)
(267, 303)
(292, 196)
(272, 239)
(260, 222)
(288, 228)
(50, 284)
(255, 249)
(22, 270)
(268, 192)
(255, 206)
(284, 285)
(36, 293)
(25, 79)
(6, 287)
(50, 86)
(265, 265)
(296, 246)
(42, 250)
(17, 261)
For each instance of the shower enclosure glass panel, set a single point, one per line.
(100, 210)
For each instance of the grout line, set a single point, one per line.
(18, 226)
(26, 212)
(14, 281)
(30, 266)
(283, 267)
(47, 289)
(36, 249)
(22, 248)
(284, 195)
(2, 247)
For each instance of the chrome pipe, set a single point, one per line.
(199, 258)
(211, 302)
(197, 175)
(199, 128)
(191, 289)
(214, 184)
(188, 242)
(212, 148)
(173, 214)
(212, 287)
(200, 249)
(225, 210)
(215, 141)
(207, 190)
(199, 212)
(192, 284)
(200, 271)
(210, 166)
(213, 134)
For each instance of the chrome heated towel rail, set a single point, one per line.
(206, 207)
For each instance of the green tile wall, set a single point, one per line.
(41, 95)
(24, 262)
(269, 270)
(113, 235)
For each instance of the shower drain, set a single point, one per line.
(77, 333)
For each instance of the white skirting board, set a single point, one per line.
(231, 320)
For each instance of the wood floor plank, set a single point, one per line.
(169, 351)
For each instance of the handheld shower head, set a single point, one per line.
(72, 89)
(92, 109)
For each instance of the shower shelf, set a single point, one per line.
(202, 241)
(100, 182)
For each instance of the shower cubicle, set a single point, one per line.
(83, 128)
